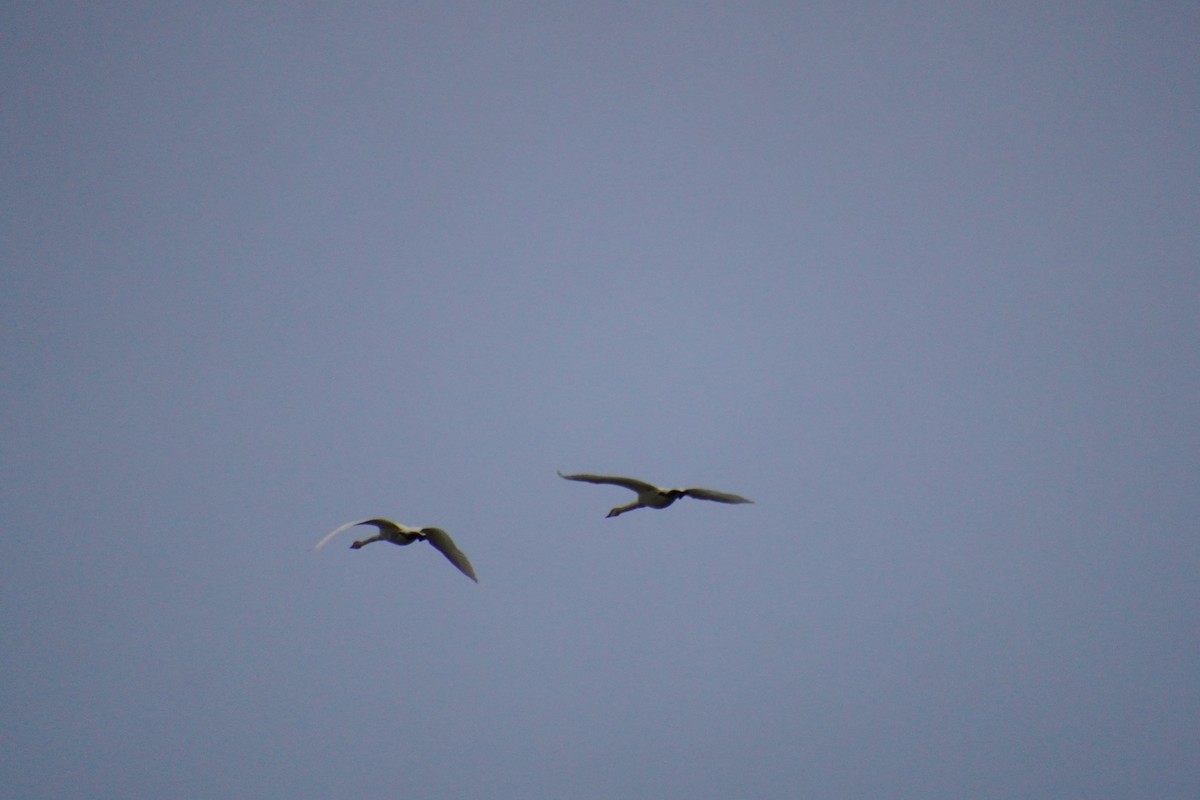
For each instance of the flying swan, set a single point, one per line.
(403, 535)
(651, 496)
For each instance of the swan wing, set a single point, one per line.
(712, 494)
(381, 524)
(442, 541)
(616, 480)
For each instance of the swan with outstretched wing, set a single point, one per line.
(403, 535)
(651, 496)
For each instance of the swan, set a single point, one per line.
(651, 496)
(403, 535)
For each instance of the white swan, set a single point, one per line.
(403, 535)
(651, 496)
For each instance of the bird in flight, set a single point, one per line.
(403, 535)
(651, 496)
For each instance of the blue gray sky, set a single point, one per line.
(919, 278)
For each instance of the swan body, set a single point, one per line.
(403, 535)
(651, 496)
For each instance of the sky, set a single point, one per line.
(922, 279)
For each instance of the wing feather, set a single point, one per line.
(335, 532)
(381, 524)
(629, 483)
(712, 494)
(442, 541)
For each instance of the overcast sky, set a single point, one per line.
(922, 279)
